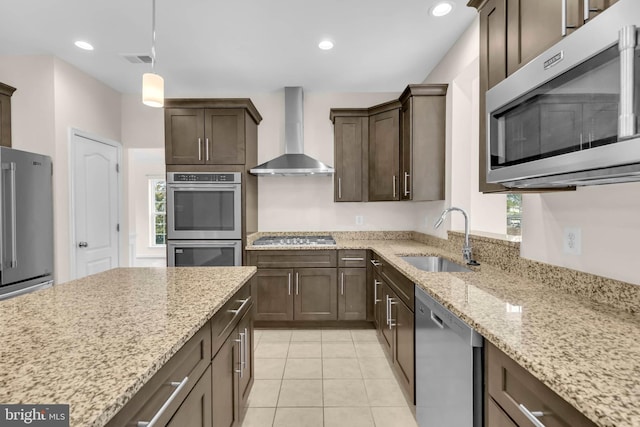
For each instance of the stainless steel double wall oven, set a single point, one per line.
(204, 219)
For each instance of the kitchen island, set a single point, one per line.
(93, 343)
(585, 351)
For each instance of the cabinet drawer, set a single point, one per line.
(228, 317)
(376, 262)
(293, 259)
(516, 391)
(172, 383)
(352, 258)
(399, 283)
(496, 416)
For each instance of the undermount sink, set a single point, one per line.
(435, 264)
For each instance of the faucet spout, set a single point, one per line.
(466, 249)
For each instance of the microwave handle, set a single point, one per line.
(627, 47)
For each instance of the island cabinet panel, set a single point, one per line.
(516, 392)
(496, 416)
(226, 403)
(182, 370)
(195, 411)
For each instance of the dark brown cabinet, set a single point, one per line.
(422, 142)
(396, 321)
(226, 404)
(513, 32)
(6, 92)
(384, 152)
(209, 131)
(512, 392)
(196, 409)
(352, 298)
(351, 130)
(295, 285)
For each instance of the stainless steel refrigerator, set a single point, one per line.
(26, 222)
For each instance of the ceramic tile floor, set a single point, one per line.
(324, 378)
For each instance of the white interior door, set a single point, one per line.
(95, 205)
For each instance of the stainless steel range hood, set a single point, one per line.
(294, 162)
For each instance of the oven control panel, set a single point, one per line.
(233, 177)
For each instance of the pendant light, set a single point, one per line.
(153, 84)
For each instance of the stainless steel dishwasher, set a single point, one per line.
(449, 374)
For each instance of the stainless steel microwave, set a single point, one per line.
(571, 116)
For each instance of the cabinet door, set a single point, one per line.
(184, 138)
(534, 26)
(316, 294)
(225, 389)
(496, 417)
(384, 153)
(493, 44)
(406, 146)
(224, 136)
(403, 345)
(387, 332)
(598, 6)
(196, 409)
(352, 299)
(378, 302)
(349, 139)
(245, 333)
(5, 120)
(274, 294)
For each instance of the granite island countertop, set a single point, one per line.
(585, 351)
(93, 343)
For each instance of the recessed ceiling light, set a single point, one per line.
(83, 45)
(325, 45)
(441, 9)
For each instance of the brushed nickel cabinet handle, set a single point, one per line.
(206, 141)
(352, 259)
(289, 274)
(375, 291)
(339, 188)
(394, 186)
(179, 386)
(376, 263)
(297, 284)
(239, 309)
(406, 184)
(199, 148)
(532, 415)
(342, 283)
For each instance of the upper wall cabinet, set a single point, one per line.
(392, 151)
(384, 152)
(422, 142)
(512, 33)
(351, 130)
(208, 131)
(5, 114)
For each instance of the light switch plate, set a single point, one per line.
(572, 240)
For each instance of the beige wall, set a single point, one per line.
(306, 203)
(460, 69)
(51, 98)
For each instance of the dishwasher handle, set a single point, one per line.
(438, 321)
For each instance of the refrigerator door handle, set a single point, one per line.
(14, 249)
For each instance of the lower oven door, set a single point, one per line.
(204, 253)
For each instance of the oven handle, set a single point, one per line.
(201, 187)
(192, 244)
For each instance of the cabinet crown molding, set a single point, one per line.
(245, 103)
(6, 89)
(478, 4)
(423, 90)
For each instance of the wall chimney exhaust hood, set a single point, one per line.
(294, 162)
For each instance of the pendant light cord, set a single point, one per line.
(153, 36)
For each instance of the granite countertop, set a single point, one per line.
(93, 343)
(585, 351)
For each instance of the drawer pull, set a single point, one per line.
(392, 321)
(179, 386)
(375, 291)
(376, 263)
(239, 309)
(352, 259)
(532, 415)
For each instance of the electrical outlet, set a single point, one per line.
(572, 240)
(359, 220)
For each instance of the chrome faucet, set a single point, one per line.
(466, 249)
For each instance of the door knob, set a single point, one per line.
(83, 244)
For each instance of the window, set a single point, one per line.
(514, 214)
(158, 210)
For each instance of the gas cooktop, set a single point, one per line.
(295, 241)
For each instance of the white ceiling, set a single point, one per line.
(207, 47)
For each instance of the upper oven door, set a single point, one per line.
(204, 211)
(573, 108)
